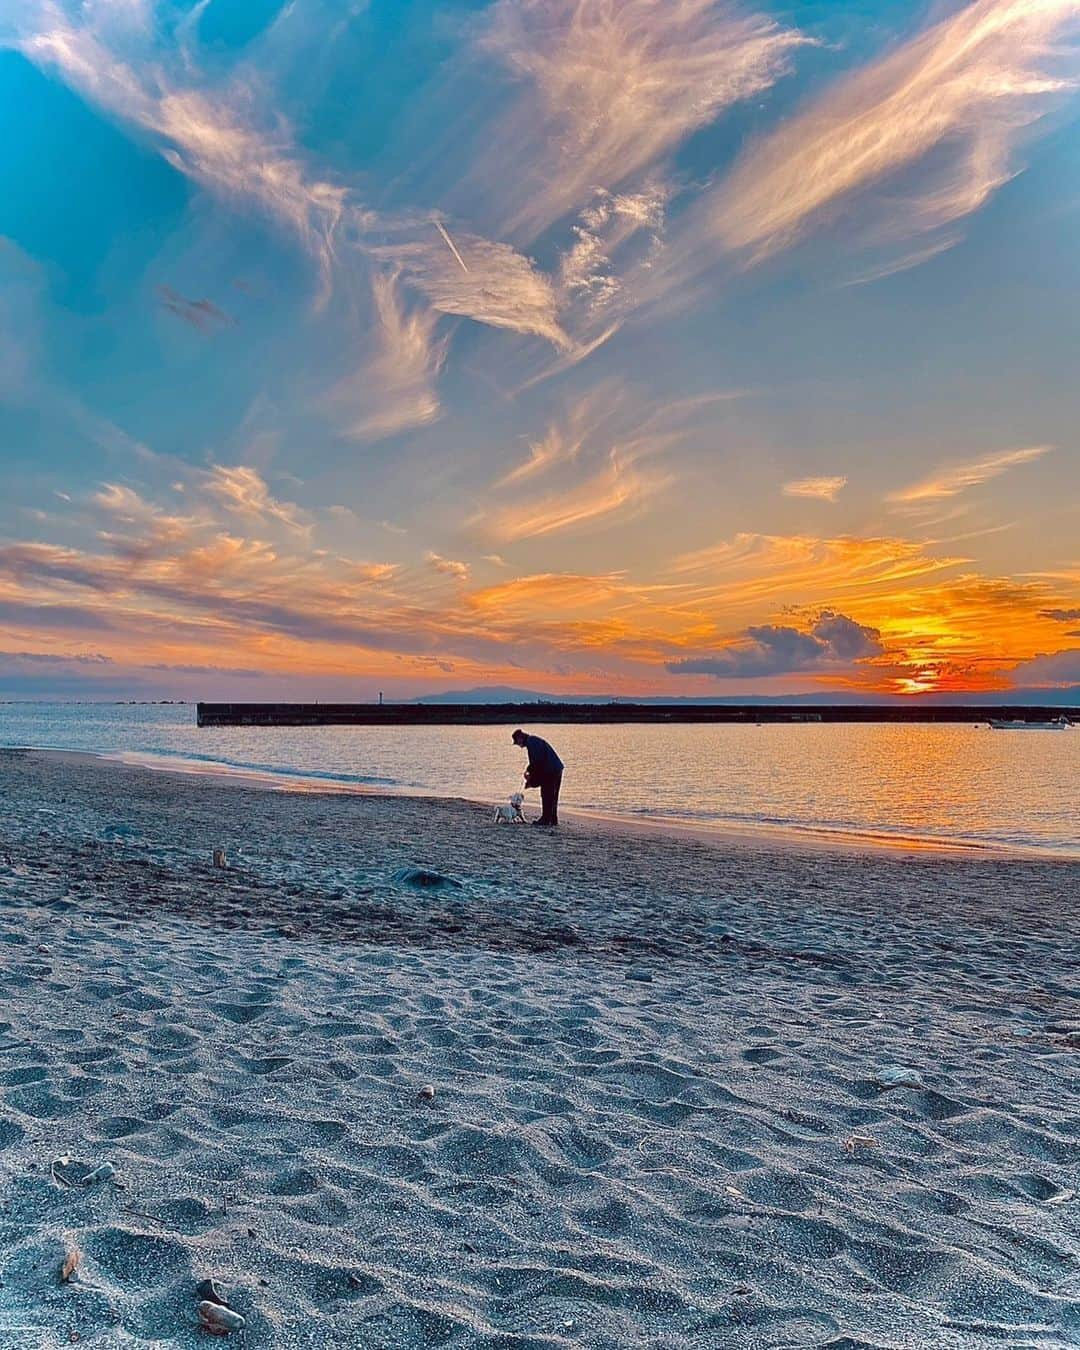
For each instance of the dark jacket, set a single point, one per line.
(543, 761)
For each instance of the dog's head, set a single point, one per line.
(517, 798)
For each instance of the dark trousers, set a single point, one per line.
(549, 799)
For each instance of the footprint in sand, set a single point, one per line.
(761, 1054)
(40, 1102)
(10, 1133)
(239, 1013)
(268, 1064)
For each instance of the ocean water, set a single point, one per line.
(959, 784)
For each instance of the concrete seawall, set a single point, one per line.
(497, 714)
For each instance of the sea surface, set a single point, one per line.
(955, 784)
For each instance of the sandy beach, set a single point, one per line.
(396, 1077)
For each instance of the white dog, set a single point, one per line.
(511, 814)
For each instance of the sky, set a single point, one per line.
(655, 347)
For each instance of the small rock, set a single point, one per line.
(70, 1264)
(642, 976)
(219, 858)
(251, 1232)
(426, 1093)
(218, 1320)
(209, 1291)
(424, 880)
(896, 1075)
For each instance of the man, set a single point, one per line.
(545, 771)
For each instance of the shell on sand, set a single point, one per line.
(219, 1320)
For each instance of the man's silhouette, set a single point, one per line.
(545, 771)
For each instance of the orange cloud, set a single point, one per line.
(243, 492)
(618, 488)
(823, 489)
(879, 613)
(953, 479)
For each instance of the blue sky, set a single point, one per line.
(577, 344)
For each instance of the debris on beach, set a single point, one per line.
(854, 1142)
(896, 1075)
(426, 1093)
(105, 1172)
(209, 1291)
(218, 1319)
(70, 1172)
(70, 1264)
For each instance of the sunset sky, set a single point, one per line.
(619, 346)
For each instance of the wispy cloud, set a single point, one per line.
(824, 489)
(751, 571)
(243, 492)
(564, 439)
(222, 136)
(447, 567)
(619, 488)
(395, 388)
(951, 480)
(610, 86)
(597, 463)
(953, 100)
(137, 529)
(216, 138)
(496, 285)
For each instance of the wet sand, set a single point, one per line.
(658, 1115)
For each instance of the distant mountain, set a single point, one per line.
(1053, 698)
(498, 693)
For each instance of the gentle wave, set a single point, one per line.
(283, 771)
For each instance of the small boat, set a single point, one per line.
(1022, 724)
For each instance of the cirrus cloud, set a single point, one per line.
(612, 85)
(953, 479)
(823, 489)
(961, 94)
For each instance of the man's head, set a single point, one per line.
(519, 737)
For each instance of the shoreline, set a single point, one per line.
(762, 836)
